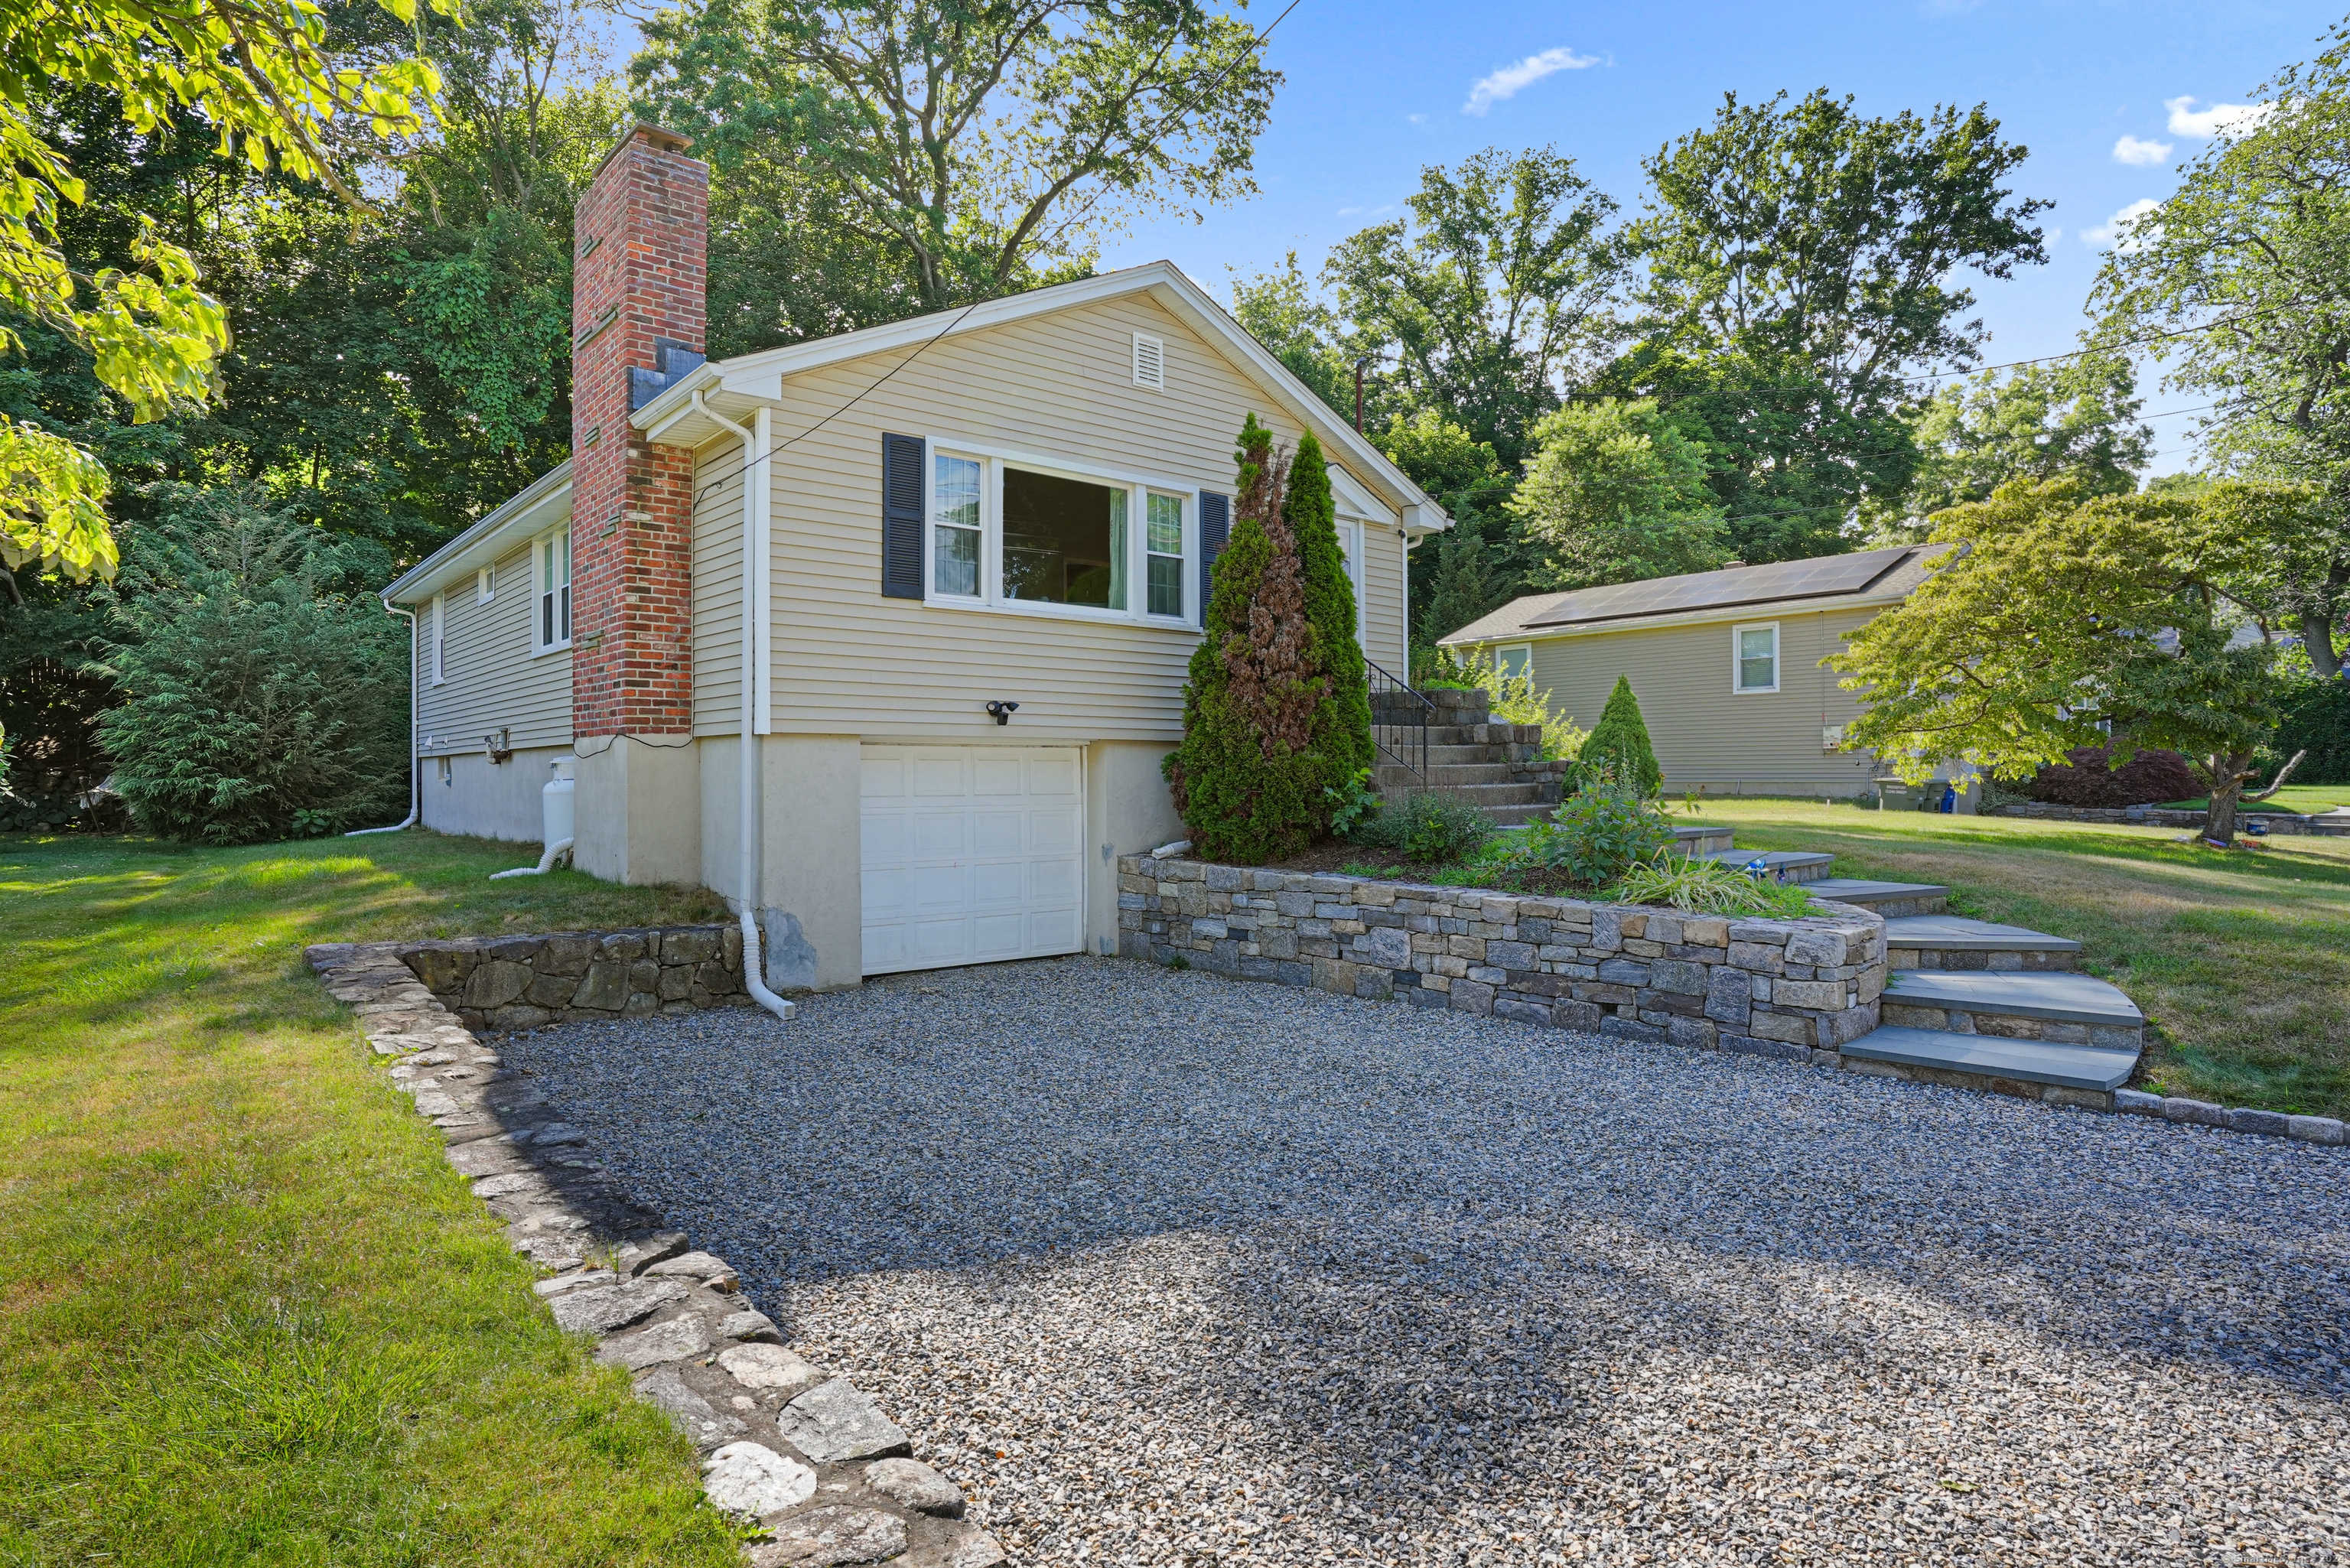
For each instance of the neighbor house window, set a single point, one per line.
(484, 587)
(1164, 563)
(1756, 658)
(1004, 535)
(553, 626)
(440, 606)
(1514, 659)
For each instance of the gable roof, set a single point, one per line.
(754, 378)
(542, 504)
(1821, 582)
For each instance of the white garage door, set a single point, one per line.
(972, 854)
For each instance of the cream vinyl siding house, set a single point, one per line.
(981, 544)
(1696, 649)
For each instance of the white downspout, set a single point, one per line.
(756, 489)
(415, 761)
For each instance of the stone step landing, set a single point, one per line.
(1965, 1061)
(1957, 943)
(2060, 1008)
(1888, 899)
(1783, 865)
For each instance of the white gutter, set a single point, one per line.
(415, 757)
(756, 491)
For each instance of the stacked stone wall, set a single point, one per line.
(1776, 988)
(501, 983)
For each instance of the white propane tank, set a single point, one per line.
(555, 803)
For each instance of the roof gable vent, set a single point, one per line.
(1150, 361)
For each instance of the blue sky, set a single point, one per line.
(1376, 89)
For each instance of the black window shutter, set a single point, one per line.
(1215, 527)
(901, 518)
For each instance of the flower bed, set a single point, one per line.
(1772, 987)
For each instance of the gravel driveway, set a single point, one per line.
(1170, 1269)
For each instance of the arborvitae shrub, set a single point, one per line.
(1342, 724)
(1620, 741)
(1248, 780)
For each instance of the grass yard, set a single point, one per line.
(2307, 799)
(247, 1313)
(2242, 961)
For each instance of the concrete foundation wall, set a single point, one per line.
(489, 800)
(812, 914)
(638, 809)
(1128, 811)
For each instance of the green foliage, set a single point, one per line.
(2067, 616)
(1594, 835)
(2316, 718)
(1352, 804)
(1617, 493)
(1515, 701)
(1619, 742)
(1802, 257)
(1342, 719)
(1248, 779)
(966, 147)
(1704, 887)
(257, 706)
(1429, 828)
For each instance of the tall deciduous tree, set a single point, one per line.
(2238, 284)
(1801, 259)
(976, 142)
(2060, 620)
(1617, 493)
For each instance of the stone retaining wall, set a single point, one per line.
(1775, 988)
(503, 983)
(2277, 822)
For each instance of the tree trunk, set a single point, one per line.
(2226, 772)
(2317, 638)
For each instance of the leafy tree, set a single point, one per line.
(259, 703)
(1281, 310)
(1342, 721)
(1248, 780)
(1619, 742)
(2238, 284)
(2068, 620)
(2079, 421)
(261, 76)
(1490, 299)
(974, 142)
(1802, 258)
(1464, 585)
(1617, 494)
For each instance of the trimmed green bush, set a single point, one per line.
(1247, 779)
(1429, 828)
(1620, 741)
(257, 706)
(1594, 835)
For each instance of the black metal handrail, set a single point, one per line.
(1399, 718)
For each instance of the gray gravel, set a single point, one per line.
(1169, 1269)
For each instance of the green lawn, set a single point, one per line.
(2307, 799)
(2240, 959)
(247, 1313)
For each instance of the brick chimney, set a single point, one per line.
(638, 303)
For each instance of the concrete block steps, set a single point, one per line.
(1994, 1056)
(2061, 1008)
(1957, 943)
(1442, 774)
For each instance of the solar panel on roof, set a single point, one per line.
(1820, 578)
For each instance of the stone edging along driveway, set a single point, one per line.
(815, 1461)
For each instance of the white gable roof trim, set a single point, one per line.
(759, 378)
(544, 503)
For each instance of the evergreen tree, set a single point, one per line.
(1342, 724)
(1247, 779)
(1620, 741)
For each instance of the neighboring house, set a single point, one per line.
(1726, 664)
(1019, 502)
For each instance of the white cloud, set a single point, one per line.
(2130, 150)
(1416, 118)
(2118, 222)
(1506, 82)
(2220, 119)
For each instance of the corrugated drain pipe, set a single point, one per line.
(756, 491)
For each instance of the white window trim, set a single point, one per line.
(1352, 534)
(1504, 649)
(1737, 637)
(990, 599)
(485, 585)
(538, 590)
(440, 634)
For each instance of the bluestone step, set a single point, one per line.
(1994, 1056)
(1703, 838)
(2062, 998)
(1807, 867)
(1958, 942)
(1888, 899)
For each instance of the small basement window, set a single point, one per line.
(1756, 658)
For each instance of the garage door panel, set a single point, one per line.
(972, 854)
